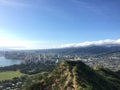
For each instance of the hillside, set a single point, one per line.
(75, 75)
(88, 50)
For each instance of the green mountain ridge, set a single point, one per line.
(75, 75)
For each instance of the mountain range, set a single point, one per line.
(83, 50)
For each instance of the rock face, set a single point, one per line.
(75, 75)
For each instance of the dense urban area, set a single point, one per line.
(36, 65)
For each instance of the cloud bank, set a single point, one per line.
(107, 42)
(27, 45)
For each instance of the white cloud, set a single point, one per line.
(17, 44)
(92, 43)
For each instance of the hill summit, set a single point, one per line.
(75, 75)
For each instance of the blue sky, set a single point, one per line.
(51, 23)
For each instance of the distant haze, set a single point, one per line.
(38, 45)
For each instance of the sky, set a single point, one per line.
(39, 24)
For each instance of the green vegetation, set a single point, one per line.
(110, 76)
(34, 79)
(17, 75)
(9, 75)
(31, 68)
(75, 75)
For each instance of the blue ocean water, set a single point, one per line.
(8, 62)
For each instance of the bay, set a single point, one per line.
(8, 62)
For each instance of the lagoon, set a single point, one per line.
(7, 62)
